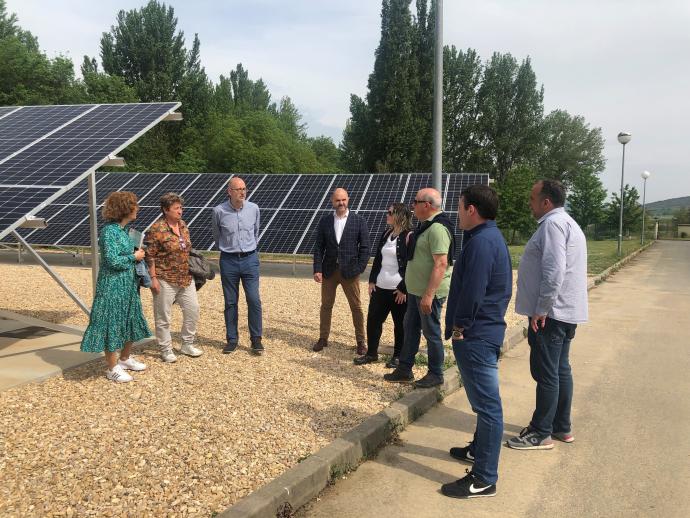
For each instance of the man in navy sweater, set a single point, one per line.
(480, 290)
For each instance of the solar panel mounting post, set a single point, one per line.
(93, 227)
(54, 275)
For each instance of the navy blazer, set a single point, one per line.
(350, 256)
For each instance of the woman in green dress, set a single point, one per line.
(116, 317)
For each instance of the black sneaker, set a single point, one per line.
(468, 487)
(393, 363)
(399, 376)
(229, 347)
(428, 381)
(257, 346)
(463, 454)
(363, 360)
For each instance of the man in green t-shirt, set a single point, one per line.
(427, 278)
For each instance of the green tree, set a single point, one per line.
(104, 88)
(327, 154)
(632, 210)
(571, 148)
(27, 76)
(290, 119)
(514, 216)
(461, 76)
(248, 95)
(145, 48)
(395, 144)
(586, 201)
(509, 115)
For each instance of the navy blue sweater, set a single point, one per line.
(481, 286)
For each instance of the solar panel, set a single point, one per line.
(22, 126)
(309, 192)
(285, 231)
(6, 110)
(47, 149)
(291, 205)
(273, 190)
(384, 189)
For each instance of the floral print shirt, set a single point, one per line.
(169, 252)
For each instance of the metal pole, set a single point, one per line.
(438, 100)
(620, 220)
(644, 195)
(93, 224)
(54, 275)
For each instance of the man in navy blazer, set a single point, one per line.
(341, 254)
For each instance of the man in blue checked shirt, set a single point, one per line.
(480, 290)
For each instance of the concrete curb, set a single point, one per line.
(598, 279)
(303, 482)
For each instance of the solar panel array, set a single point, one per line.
(45, 150)
(291, 205)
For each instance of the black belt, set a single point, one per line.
(239, 254)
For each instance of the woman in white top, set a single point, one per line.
(387, 292)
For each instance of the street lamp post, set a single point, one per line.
(623, 137)
(644, 175)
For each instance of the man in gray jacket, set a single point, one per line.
(552, 292)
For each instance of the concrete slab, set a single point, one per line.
(32, 350)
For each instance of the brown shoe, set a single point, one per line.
(320, 344)
(361, 349)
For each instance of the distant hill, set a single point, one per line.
(668, 206)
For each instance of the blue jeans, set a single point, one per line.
(232, 270)
(478, 363)
(415, 324)
(550, 368)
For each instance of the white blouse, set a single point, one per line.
(389, 278)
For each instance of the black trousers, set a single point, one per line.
(381, 303)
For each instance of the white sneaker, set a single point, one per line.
(118, 375)
(190, 350)
(131, 364)
(168, 356)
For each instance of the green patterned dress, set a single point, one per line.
(116, 315)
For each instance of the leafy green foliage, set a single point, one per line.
(586, 201)
(572, 148)
(514, 215)
(632, 210)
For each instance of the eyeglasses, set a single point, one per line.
(241, 189)
(415, 202)
(390, 212)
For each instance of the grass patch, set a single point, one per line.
(600, 254)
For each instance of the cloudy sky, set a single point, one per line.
(623, 65)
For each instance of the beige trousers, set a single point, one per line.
(162, 312)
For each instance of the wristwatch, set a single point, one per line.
(457, 333)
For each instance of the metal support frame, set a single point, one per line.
(93, 224)
(52, 273)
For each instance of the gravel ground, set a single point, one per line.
(184, 439)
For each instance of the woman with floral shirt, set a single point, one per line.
(167, 256)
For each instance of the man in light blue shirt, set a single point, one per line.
(235, 226)
(552, 292)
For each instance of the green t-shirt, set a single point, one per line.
(435, 240)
